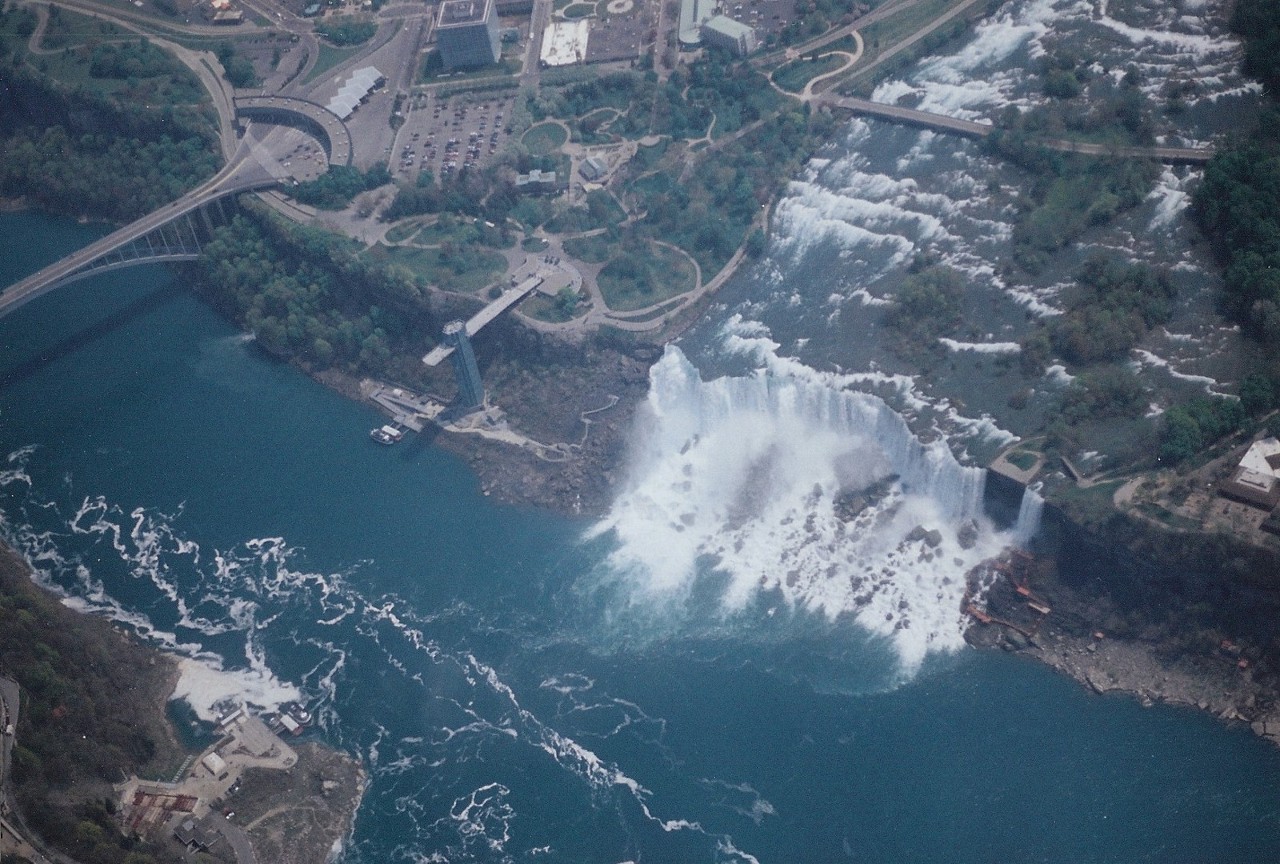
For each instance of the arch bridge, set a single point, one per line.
(175, 232)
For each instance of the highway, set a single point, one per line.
(339, 149)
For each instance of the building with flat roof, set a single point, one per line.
(693, 14)
(467, 33)
(1256, 480)
(536, 180)
(565, 42)
(722, 31)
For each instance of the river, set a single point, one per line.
(717, 670)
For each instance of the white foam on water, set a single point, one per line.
(1200, 46)
(1146, 358)
(982, 347)
(976, 81)
(742, 475)
(209, 689)
(236, 591)
(16, 467)
(1172, 195)
(1058, 374)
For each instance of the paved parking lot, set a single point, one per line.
(444, 136)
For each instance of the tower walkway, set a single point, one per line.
(509, 298)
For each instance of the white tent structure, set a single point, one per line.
(361, 83)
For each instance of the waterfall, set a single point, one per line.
(787, 483)
(1029, 511)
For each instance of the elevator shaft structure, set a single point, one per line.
(463, 359)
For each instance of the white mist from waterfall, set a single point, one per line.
(752, 478)
(1028, 524)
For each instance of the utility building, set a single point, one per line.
(723, 32)
(470, 387)
(467, 33)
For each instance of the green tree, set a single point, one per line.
(1180, 437)
(1257, 393)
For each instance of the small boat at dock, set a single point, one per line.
(387, 434)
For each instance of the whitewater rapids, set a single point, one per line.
(740, 477)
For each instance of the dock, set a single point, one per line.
(406, 408)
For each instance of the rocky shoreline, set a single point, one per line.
(587, 397)
(298, 816)
(1151, 670)
(1232, 682)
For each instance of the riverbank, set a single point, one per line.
(1029, 609)
(102, 683)
(555, 392)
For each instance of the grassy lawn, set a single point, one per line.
(174, 84)
(601, 212)
(465, 271)
(329, 57)
(579, 10)
(460, 232)
(593, 250)
(1092, 504)
(647, 157)
(796, 74)
(534, 244)
(598, 117)
(69, 28)
(637, 278)
(544, 138)
(1174, 520)
(546, 308)
(884, 34)
(403, 231)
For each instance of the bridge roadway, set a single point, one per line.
(242, 174)
(972, 129)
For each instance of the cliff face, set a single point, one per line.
(1185, 587)
(93, 710)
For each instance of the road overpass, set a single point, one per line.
(973, 129)
(311, 117)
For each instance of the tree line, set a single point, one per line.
(92, 708)
(1237, 206)
(308, 296)
(81, 153)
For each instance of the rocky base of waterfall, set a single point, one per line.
(1020, 607)
(581, 401)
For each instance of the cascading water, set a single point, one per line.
(1028, 524)
(787, 484)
